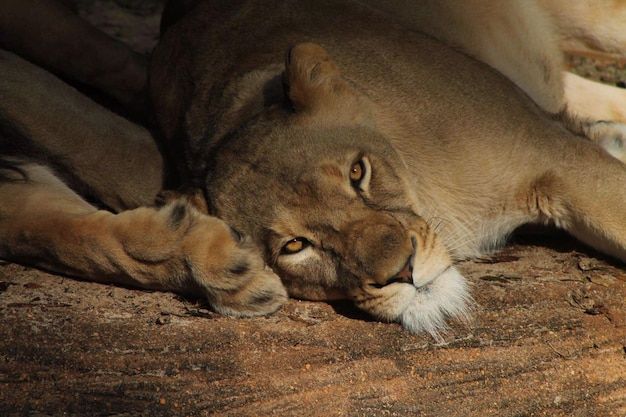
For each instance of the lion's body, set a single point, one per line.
(361, 165)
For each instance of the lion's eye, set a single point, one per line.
(357, 172)
(294, 246)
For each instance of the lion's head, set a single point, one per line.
(329, 201)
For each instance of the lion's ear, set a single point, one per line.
(312, 79)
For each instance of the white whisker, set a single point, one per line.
(460, 239)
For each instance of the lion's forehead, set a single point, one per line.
(282, 196)
(311, 213)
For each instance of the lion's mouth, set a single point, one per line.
(436, 292)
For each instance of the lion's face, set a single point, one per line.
(333, 214)
(330, 203)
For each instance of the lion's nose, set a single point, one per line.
(379, 249)
(405, 275)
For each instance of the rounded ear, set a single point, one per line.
(312, 80)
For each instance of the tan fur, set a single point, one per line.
(514, 37)
(593, 26)
(589, 99)
(359, 157)
(523, 40)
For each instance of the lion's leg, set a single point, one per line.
(44, 223)
(52, 36)
(590, 26)
(104, 155)
(609, 135)
(594, 100)
(582, 191)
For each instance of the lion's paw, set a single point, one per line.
(227, 268)
(611, 136)
(201, 254)
(244, 286)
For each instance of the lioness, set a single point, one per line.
(325, 149)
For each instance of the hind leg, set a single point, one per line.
(103, 155)
(50, 35)
(44, 223)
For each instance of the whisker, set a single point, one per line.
(440, 221)
(460, 238)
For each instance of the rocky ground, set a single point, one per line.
(549, 338)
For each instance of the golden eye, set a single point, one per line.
(357, 172)
(294, 246)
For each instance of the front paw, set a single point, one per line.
(260, 292)
(229, 270)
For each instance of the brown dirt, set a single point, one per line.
(549, 338)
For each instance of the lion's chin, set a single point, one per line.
(427, 308)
